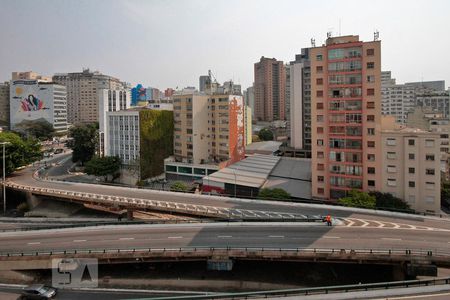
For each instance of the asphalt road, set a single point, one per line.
(231, 235)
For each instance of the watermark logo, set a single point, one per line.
(75, 272)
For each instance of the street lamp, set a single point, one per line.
(3, 181)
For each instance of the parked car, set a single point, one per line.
(38, 291)
(59, 150)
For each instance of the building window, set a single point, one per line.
(371, 182)
(319, 69)
(370, 92)
(319, 93)
(429, 171)
(391, 155)
(319, 118)
(320, 154)
(319, 142)
(319, 57)
(370, 131)
(370, 118)
(319, 105)
(370, 52)
(370, 104)
(319, 130)
(429, 185)
(391, 142)
(371, 170)
(320, 178)
(371, 144)
(319, 81)
(371, 157)
(391, 182)
(370, 65)
(411, 142)
(370, 78)
(411, 184)
(411, 170)
(391, 169)
(429, 143)
(411, 156)
(320, 191)
(429, 157)
(320, 167)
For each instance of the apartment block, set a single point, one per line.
(208, 128)
(141, 137)
(110, 100)
(35, 101)
(4, 105)
(346, 112)
(411, 167)
(83, 93)
(269, 90)
(30, 75)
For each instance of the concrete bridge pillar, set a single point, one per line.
(32, 200)
(130, 214)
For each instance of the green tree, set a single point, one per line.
(104, 166)
(445, 194)
(387, 200)
(265, 134)
(358, 199)
(19, 152)
(179, 186)
(40, 129)
(84, 142)
(275, 193)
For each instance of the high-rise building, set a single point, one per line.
(298, 94)
(411, 166)
(82, 93)
(32, 101)
(110, 100)
(215, 135)
(269, 90)
(169, 92)
(204, 80)
(249, 98)
(4, 105)
(30, 75)
(346, 113)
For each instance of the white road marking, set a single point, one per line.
(34, 243)
(394, 224)
(78, 241)
(380, 225)
(175, 237)
(126, 239)
(276, 236)
(391, 239)
(331, 237)
(223, 236)
(365, 223)
(415, 297)
(350, 222)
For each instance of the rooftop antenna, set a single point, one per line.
(376, 35)
(313, 42)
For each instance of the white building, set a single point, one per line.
(296, 104)
(33, 101)
(110, 100)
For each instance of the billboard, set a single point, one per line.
(30, 101)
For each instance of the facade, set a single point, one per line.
(33, 101)
(169, 92)
(438, 101)
(249, 98)
(397, 99)
(30, 75)
(346, 110)
(204, 80)
(248, 125)
(141, 137)
(82, 93)
(269, 90)
(4, 105)
(410, 159)
(216, 135)
(110, 100)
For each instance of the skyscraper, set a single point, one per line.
(346, 117)
(269, 90)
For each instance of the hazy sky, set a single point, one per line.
(170, 43)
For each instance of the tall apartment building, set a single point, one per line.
(82, 93)
(110, 100)
(35, 101)
(4, 105)
(411, 166)
(299, 98)
(346, 113)
(208, 128)
(249, 98)
(203, 81)
(269, 89)
(396, 99)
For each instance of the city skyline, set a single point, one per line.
(171, 43)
